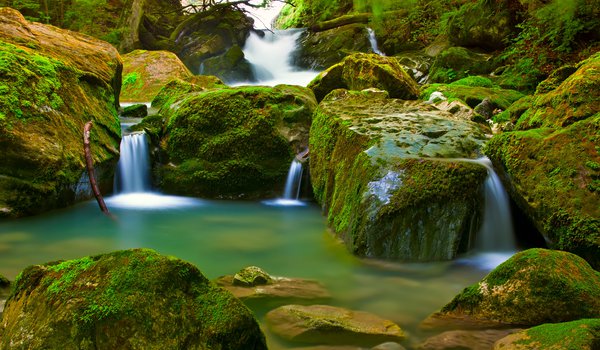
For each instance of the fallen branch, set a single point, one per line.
(89, 163)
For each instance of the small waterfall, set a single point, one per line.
(496, 233)
(373, 41)
(133, 171)
(270, 57)
(293, 182)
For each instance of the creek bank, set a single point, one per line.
(385, 174)
(100, 301)
(53, 81)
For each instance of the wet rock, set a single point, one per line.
(363, 71)
(53, 81)
(135, 111)
(251, 276)
(382, 170)
(146, 72)
(234, 142)
(551, 165)
(533, 287)
(582, 335)
(485, 109)
(101, 301)
(467, 340)
(231, 66)
(322, 324)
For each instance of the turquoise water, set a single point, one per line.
(221, 237)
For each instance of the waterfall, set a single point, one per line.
(496, 233)
(294, 179)
(133, 170)
(270, 57)
(373, 41)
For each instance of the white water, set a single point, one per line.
(291, 193)
(270, 57)
(133, 172)
(373, 41)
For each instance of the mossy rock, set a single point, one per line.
(306, 13)
(378, 171)
(210, 33)
(52, 82)
(473, 90)
(176, 89)
(135, 111)
(455, 63)
(146, 72)
(251, 276)
(236, 142)
(322, 49)
(100, 301)
(4, 282)
(575, 335)
(533, 287)
(362, 71)
(230, 67)
(551, 163)
(484, 24)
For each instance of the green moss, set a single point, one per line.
(132, 79)
(456, 63)
(474, 94)
(580, 334)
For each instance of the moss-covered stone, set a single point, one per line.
(362, 71)
(231, 66)
(251, 276)
(51, 83)
(473, 90)
(135, 111)
(101, 301)
(305, 13)
(176, 89)
(237, 142)
(456, 63)
(210, 33)
(320, 49)
(383, 171)
(146, 72)
(4, 282)
(549, 163)
(533, 287)
(576, 335)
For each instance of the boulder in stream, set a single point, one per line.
(235, 142)
(146, 72)
(323, 324)
(389, 175)
(550, 163)
(53, 81)
(134, 299)
(533, 287)
(362, 71)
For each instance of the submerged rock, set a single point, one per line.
(580, 335)
(551, 162)
(323, 324)
(146, 72)
(235, 142)
(389, 176)
(363, 71)
(52, 82)
(467, 340)
(533, 287)
(135, 299)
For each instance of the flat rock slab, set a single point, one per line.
(323, 324)
(280, 290)
(460, 339)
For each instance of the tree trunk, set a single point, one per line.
(89, 163)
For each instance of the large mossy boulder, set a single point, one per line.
(362, 71)
(533, 287)
(551, 162)
(235, 142)
(133, 299)
(146, 72)
(581, 335)
(52, 82)
(386, 174)
(458, 62)
(321, 49)
(210, 33)
(176, 89)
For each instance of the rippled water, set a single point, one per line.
(220, 237)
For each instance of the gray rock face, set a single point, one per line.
(132, 299)
(389, 176)
(322, 324)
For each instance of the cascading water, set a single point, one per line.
(270, 57)
(373, 41)
(293, 182)
(133, 171)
